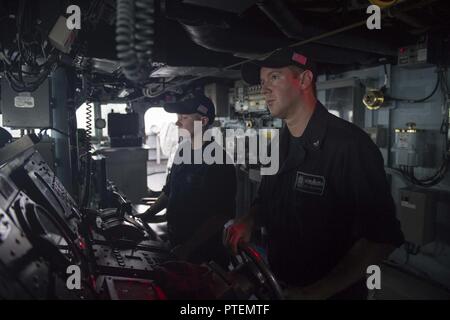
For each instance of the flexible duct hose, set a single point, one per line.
(134, 37)
(144, 29)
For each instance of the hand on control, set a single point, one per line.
(238, 231)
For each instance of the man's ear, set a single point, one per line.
(307, 79)
(205, 121)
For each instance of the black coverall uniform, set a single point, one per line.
(195, 193)
(330, 191)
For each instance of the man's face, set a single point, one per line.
(186, 122)
(281, 90)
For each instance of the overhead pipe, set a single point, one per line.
(304, 42)
(279, 13)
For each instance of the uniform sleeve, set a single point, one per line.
(260, 201)
(369, 194)
(166, 188)
(221, 182)
(261, 194)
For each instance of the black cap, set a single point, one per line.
(279, 59)
(197, 104)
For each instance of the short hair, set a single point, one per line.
(297, 71)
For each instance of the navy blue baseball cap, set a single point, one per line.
(200, 104)
(281, 58)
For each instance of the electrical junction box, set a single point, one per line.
(248, 98)
(410, 147)
(26, 110)
(417, 215)
(256, 100)
(421, 54)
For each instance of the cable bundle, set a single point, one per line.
(134, 37)
(21, 66)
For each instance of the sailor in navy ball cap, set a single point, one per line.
(328, 212)
(199, 198)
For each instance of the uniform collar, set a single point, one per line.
(311, 140)
(316, 128)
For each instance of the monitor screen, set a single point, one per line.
(123, 124)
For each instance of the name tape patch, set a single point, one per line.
(310, 183)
